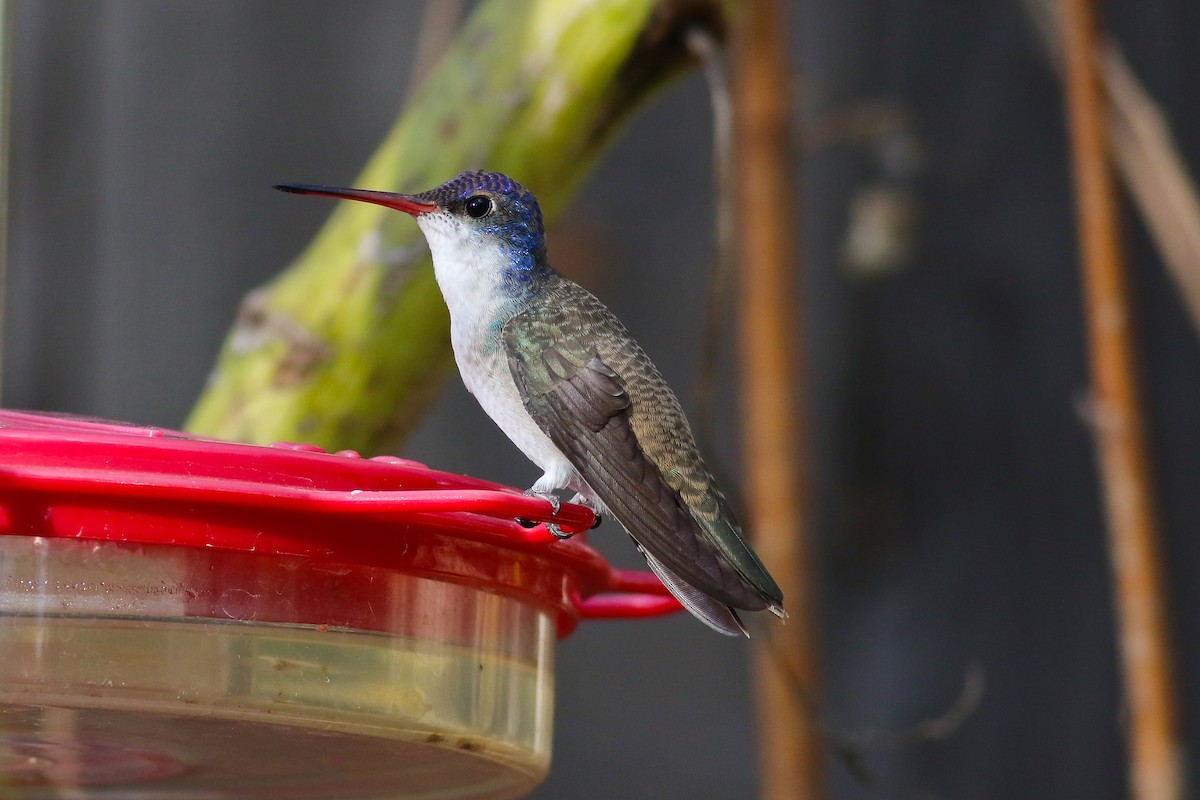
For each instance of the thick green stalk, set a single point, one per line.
(345, 348)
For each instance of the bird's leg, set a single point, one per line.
(558, 474)
(544, 489)
(555, 505)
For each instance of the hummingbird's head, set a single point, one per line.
(490, 216)
(480, 225)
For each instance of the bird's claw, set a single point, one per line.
(555, 505)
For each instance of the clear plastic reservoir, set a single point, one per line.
(145, 668)
(187, 619)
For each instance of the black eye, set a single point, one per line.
(478, 206)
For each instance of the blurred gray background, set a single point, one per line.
(958, 514)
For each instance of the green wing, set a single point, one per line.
(594, 392)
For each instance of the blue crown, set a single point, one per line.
(516, 222)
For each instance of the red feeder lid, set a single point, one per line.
(74, 477)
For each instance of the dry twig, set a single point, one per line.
(1144, 641)
(776, 497)
(1146, 156)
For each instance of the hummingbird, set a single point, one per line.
(564, 380)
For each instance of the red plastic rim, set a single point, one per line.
(73, 477)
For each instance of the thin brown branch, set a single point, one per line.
(1146, 653)
(1145, 154)
(772, 407)
(1156, 175)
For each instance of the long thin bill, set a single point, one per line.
(401, 202)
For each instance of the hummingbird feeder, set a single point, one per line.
(190, 618)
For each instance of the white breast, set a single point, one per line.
(468, 272)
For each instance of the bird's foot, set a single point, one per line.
(555, 505)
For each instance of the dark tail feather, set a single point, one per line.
(713, 613)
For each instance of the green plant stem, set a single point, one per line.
(345, 348)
